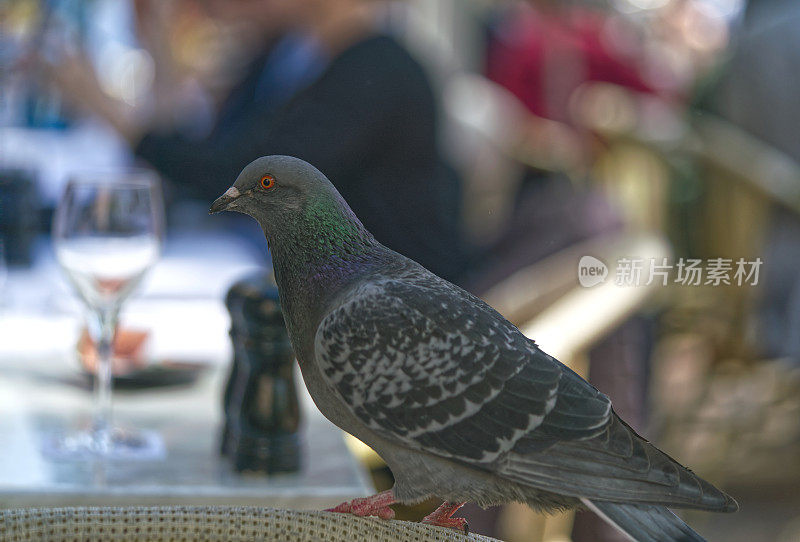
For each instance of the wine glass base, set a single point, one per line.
(123, 444)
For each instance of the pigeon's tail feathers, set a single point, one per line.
(617, 465)
(643, 522)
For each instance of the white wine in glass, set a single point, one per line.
(107, 232)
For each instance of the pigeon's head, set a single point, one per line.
(274, 189)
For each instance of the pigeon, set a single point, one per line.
(460, 404)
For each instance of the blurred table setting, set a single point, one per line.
(170, 384)
(173, 352)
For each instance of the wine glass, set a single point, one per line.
(107, 232)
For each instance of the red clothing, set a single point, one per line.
(542, 58)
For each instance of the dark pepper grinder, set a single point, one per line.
(262, 413)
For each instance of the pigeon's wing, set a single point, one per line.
(436, 368)
(429, 366)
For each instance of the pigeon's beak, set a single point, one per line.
(224, 202)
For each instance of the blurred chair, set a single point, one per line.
(740, 181)
(744, 183)
(211, 524)
(744, 180)
(719, 404)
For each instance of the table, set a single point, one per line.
(42, 390)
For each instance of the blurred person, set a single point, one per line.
(334, 90)
(559, 59)
(545, 50)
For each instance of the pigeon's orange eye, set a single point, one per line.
(267, 181)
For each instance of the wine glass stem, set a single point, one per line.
(105, 330)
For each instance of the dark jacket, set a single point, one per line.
(369, 122)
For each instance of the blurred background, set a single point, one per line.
(497, 142)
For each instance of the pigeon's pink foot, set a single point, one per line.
(376, 505)
(442, 517)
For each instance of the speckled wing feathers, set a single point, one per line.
(445, 373)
